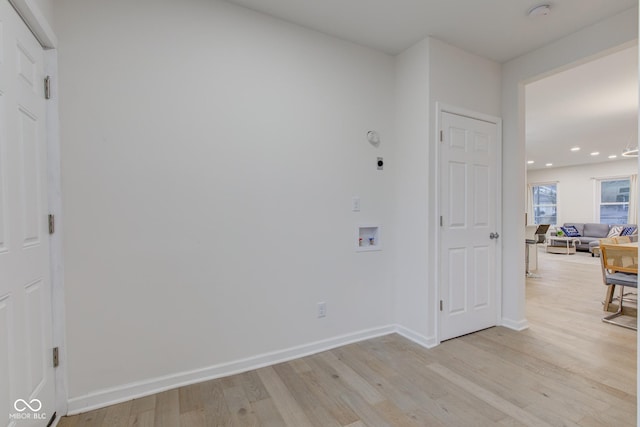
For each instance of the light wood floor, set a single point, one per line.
(568, 369)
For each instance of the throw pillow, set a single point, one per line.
(615, 231)
(570, 231)
(629, 231)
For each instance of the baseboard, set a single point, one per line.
(135, 390)
(516, 325)
(411, 335)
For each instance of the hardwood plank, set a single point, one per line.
(446, 394)
(398, 394)
(117, 415)
(364, 411)
(497, 402)
(253, 387)
(142, 419)
(143, 404)
(412, 395)
(267, 413)
(397, 389)
(532, 387)
(93, 418)
(567, 394)
(394, 416)
(290, 410)
(71, 421)
(300, 365)
(167, 411)
(355, 381)
(318, 414)
(195, 418)
(326, 387)
(216, 411)
(239, 407)
(190, 398)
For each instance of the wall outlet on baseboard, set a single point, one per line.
(322, 309)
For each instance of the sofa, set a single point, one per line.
(591, 233)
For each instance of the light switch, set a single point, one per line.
(355, 204)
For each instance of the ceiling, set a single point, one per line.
(593, 106)
(495, 29)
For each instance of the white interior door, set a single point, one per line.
(26, 368)
(468, 201)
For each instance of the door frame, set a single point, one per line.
(41, 29)
(497, 121)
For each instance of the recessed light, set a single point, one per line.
(549, 164)
(530, 162)
(575, 149)
(595, 153)
(613, 156)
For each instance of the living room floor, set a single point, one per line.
(563, 272)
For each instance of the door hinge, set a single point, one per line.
(52, 224)
(47, 87)
(441, 221)
(440, 305)
(441, 136)
(56, 358)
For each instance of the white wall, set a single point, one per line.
(464, 80)
(209, 158)
(576, 186)
(611, 34)
(429, 72)
(413, 307)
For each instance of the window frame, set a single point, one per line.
(598, 197)
(534, 205)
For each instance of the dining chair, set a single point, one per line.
(619, 268)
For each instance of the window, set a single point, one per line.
(613, 201)
(545, 204)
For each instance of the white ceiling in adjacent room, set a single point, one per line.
(593, 107)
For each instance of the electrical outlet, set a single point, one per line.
(322, 309)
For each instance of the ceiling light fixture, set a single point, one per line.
(613, 156)
(575, 149)
(540, 10)
(549, 164)
(630, 151)
(530, 162)
(595, 153)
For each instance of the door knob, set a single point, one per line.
(494, 235)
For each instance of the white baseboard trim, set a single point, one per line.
(411, 335)
(516, 325)
(112, 396)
